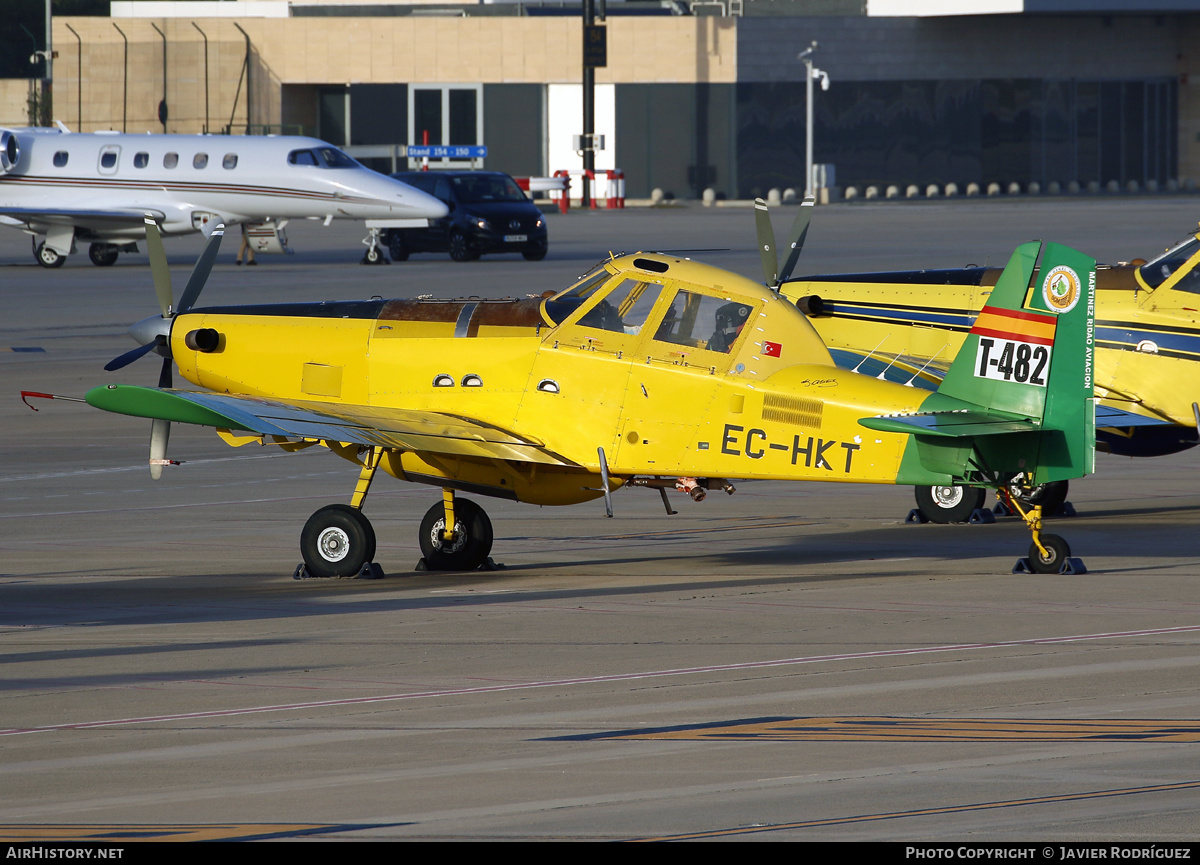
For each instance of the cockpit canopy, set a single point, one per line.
(1183, 256)
(322, 157)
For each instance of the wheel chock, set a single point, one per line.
(491, 565)
(420, 565)
(1066, 509)
(370, 571)
(1071, 566)
(915, 516)
(301, 573)
(980, 516)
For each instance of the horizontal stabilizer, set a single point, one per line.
(950, 424)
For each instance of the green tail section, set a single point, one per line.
(1019, 395)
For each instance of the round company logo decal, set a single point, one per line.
(1061, 289)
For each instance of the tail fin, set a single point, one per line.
(1019, 395)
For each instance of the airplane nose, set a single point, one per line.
(428, 202)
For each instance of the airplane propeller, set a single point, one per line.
(766, 242)
(153, 333)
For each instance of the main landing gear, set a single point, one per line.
(339, 541)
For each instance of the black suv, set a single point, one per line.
(488, 213)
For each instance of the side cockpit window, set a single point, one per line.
(1164, 267)
(302, 157)
(625, 308)
(700, 321)
(560, 307)
(60, 159)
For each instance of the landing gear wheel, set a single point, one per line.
(1049, 496)
(460, 249)
(534, 254)
(950, 504)
(396, 246)
(337, 541)
(472, 540)
(1051, 561)
(103, 254)
(48, 257)
(373, 255)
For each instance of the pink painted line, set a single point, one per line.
(589, 680)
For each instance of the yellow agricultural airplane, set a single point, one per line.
(652, 371)
(909, 325)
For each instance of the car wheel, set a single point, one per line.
(396, 247)
(460, 248)
(534, 254)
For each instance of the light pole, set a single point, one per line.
(810, 73)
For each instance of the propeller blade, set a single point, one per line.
(201, 271)
(158, 266)
(796, 239)
(132, 355)
(766, 242)
(164, 374)
(160, 434)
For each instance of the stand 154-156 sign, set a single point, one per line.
(446, 151)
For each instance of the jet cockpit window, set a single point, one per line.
(60, 159)
(200, 160)
(170, 160)
(331, 157)
(302, 157)
(141, 160)
(700, 321)
(560, 307)
(1162, 268)
(625, 308)
(230, 161)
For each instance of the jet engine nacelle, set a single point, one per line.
(10, 150)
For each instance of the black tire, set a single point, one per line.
(1057, 552)
(469, 549)
(949, 504)
(460, 247)
(396, 246)
(534, 254)
(1049, 496)
(337, 541)
(103, 254)
(373, 255)
(48, 257)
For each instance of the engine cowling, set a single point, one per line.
(10, 151)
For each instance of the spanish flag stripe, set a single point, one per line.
(1016, 325)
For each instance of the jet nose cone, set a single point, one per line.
(431, 207)
(148, 328)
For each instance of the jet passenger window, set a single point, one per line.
(60, 159)
(170, 160)
(200, 160)
(302, 157)
(108, 160)
(230, 161)
(141, 160)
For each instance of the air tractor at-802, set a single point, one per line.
(651, 370)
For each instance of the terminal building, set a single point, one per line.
(694, 94)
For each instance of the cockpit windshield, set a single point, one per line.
(560, 307)
(1161, 269)
(325, 157)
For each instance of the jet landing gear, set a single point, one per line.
(1048, 554)
(374, 253)
(463, 549)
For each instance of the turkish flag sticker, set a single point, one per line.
(771, 349)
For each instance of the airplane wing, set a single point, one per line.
(74, 216)
(373, 426)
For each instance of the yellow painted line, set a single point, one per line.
(926, 812)
(884, 729)
(119, 834)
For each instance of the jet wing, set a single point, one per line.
(373, 426)
(78, 215)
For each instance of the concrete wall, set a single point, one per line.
(14, 102)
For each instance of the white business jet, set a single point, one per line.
(98, 187)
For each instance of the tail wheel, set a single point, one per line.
(472, 537)
(48, 257)
(949, 504)
(337, 541)
(1051, 561)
